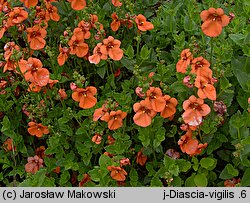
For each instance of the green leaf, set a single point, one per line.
(156, 182)
(237, 38)
(64, 178)
(195, 164)
(241, 70)
(105, 161)
(229, 172)
(167, 161)
(128, 63)
(130, 52)
(189, 182)
(245, 181)
(101, 71)
(177, 181)
(189, 24)
(6, 124)
(144, 54)
(200, 180)
(97, 173)
(174, 169)
(184, 165)
(224, 83)
(208, 163)
(133, 176)
(178, 87)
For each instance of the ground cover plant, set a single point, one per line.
(124, 93)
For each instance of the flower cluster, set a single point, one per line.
(113, 118)
(204, 80)
(154, 102)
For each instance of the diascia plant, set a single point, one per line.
(124, 93)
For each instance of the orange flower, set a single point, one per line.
(77, 45)
(85, 97)
(84, 27)
(57, 170)
(8, 145)
(34, 164)
(52, 12)
(111, 140)
(114, 119)
(231, 182)
(40, 152)
(144, 115)
(98, 55)
(170, 107)
(139, 92)
(34, 72)
(36, 35)
(195, 109)
(34, 88)
(116, 3)
(77, 4)
(112, 47)
(184, 62)
(17, 16)
(9, 48)
(199, 149)
(140, 158)
(200, 66)
(213, 21)
(10, 65)
(142, 23)
(29, 3)
(3, 28)
(86, 178)
(117, 173)
(37, 129)
(97, 139)
(3, 84)
(115, 24)
(124, 162)
(62, 94)
(99, 113)
(63, 55)
(154, 99)
(187, 143)
(41, 18)
(52, 82)
(205, 88)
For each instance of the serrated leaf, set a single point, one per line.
(105, 161)
(245, 181)
(208, 163)
(189, 182)
(229, 172)
(5, 124)
(128, 63)
(130, 52)
(144, 54)
(133, 176)
(241, 70)
(184, 165)
(65, 176)
(200, 180)
(101, 71)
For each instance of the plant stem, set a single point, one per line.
(14, 159)
(211, 52)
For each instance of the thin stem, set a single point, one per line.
(14, 159)
(211, 52)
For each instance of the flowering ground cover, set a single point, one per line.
(124, 93)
